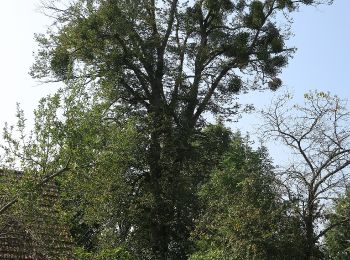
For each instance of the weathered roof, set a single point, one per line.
(40, 235)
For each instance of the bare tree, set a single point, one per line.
(318, 135)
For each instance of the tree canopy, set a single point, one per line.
(141, 172)
(337, 239)
(244, 215)
(169, 63)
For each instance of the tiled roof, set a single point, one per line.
(43, 236)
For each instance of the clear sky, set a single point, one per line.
(19, 20)
(321, 62)
(323, 51)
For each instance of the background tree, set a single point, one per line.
(243, 214)
(338, 239)
(317, 133)
(29, 200)
(76, 134)
(168, 62)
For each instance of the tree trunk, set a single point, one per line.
(159, 237)
(309, 225)
(167, 152)
(309, 240)
(166, 165)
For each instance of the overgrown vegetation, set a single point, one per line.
(140, 171)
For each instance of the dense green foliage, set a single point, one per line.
(165, 63)
(243, 215)
(140, 171)
(338, 237)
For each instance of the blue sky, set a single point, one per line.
(19, 20)
(323, 41)
(321, 61)
(323, 52)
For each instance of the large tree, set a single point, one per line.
(168, 63)
(318, 136)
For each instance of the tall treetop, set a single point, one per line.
(186, 56)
